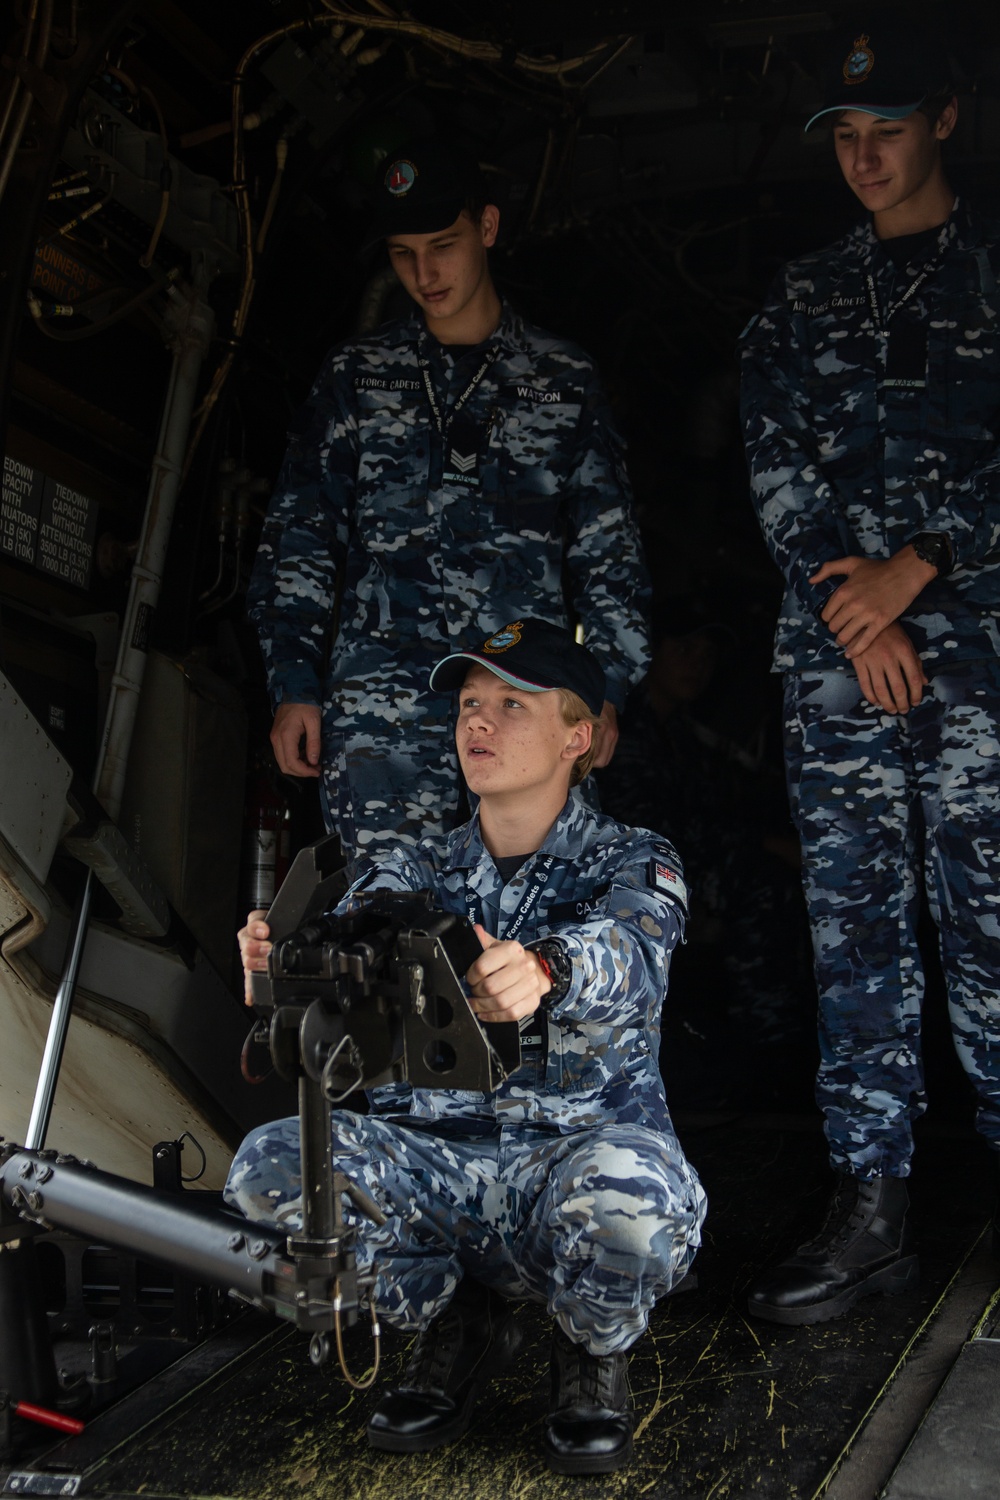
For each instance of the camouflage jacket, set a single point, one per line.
(437, 540)
(615, 898)
(862, 431)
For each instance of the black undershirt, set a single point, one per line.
(508, 865)
(459, 351)
(911, 249)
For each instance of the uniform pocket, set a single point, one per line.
(964, 380)
(536, 446)
(393, 453)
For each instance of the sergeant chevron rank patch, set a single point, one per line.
(462, 468)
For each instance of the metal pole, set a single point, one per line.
(151, 1223)
(41, 1109)
(192, 324)
(320, 1205)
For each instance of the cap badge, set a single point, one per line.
(400, 178)
(859, 61)
(504, 639)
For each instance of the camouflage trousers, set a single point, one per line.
(596, 1224)
(389, 786)
(885, 804)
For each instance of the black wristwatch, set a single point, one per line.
(934, 547)
(557, 965)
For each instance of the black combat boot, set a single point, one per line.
(452, 1361)
(589, 1426)
(863, 1247)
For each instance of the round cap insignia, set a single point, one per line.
(400, 178)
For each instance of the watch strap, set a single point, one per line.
(558, 966)
(934, 547)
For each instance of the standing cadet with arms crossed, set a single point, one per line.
(567, 1186)
(457, 462)
(871, 385)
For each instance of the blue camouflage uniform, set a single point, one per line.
(421, 540)
(567, 1186)
(871, 399)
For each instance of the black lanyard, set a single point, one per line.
(443, 423)
(882, 324)
(525, 906)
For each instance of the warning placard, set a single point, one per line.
(47, 524)
(62, 276)
(66, 534)
(19, 509)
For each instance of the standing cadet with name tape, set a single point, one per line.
(872, 402)
(456, 468)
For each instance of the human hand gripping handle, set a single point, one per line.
(294, 722)
(254, 948)
(876, 591)
(507, 981)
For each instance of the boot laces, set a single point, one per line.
(847, 1212)
(587, 1379)
(434, 1353)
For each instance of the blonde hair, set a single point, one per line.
(575, 711)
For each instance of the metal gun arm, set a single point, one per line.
(300, 1280)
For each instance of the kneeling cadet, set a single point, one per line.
(567, 1186)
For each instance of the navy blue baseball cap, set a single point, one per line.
(424, 186)
(532, 655)
(886, 68)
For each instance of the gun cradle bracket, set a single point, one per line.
(376, 996)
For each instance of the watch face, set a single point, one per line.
(560, 969)
(934, 549)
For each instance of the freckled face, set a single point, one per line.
(889, 163)
(510, 741)
(447, 272)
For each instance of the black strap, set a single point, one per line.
(526, 905)
(443, 422)
(882, 324)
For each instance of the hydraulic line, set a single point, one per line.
(41, 53)
(15, 83)
(165, 183)
(74, 335)
(281, 158)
